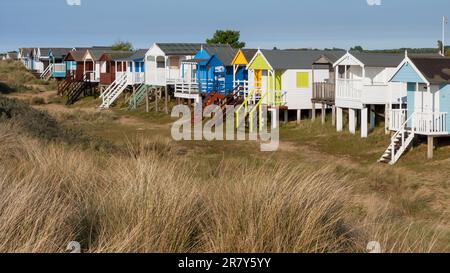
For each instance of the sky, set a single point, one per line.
(373, 24)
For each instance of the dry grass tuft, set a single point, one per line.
(152, 200)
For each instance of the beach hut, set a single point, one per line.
(363, 87)
(119, 71)
(240, 63)
(285, 78)
(163, 62)
(323, 92)
(426, 80)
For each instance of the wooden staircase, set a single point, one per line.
(64, 86)
(47, 73)
(400, 143)
(114, 91)
(137, 97)
(210, 99)
(76, 88)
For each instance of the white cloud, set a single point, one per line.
(73, 2)
(374, 2)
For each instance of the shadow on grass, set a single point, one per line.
(6, 89)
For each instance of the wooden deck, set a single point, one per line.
(324, 93)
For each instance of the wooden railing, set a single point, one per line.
(184, 87)
(324, 92)
(430, 123)
(426, 123)
(349, 89)
(59, 67)
(396, 119)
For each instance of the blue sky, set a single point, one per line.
(263, 23)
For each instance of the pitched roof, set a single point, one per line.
(378, 59)
(97, 53)
(329, 57)
(435, 70)
(60, 52)
(26, 51)
(11, 55)
(225, 53)
(76, 56)
(249, 53)
(116, 55)
(44, 51)
(179, 48)
(295, 59)
(136, 56)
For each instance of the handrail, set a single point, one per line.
(112, 86)
(258, 105)
(401, 132)
(47, 71)
(245, 105)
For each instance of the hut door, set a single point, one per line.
(444, 100)
(411, 102)
(258, 79)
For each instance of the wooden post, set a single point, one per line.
(299, 116)
(372, 117)
(166, 101)
(156, 99)
(146, 100)
(313, 112)
(364, 132)
(323, 113)
(352, 120)
(339, 120)
(387, 112)
(333, 115)
(430, 147)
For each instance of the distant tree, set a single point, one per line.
(446, 49)
(439, 46)
(357, 48)
(122, 46)
(230, 37)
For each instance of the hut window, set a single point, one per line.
(160, 64)
(302, 80)
(174, 62)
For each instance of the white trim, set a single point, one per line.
(346, 56)
(256, 55)
(407, 60)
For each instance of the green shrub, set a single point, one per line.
(41, 125)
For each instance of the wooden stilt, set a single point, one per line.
(364, 132)
(386, 119)
(372, 117)
(323, 113)
(166, 101)
(156, 100)
(352, 121)
(146, 100)
(313, 112)
(339, 120)
(299, 116)
(333, 115)
(430, 147)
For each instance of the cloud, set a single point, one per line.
(374, 2)
(73, 2)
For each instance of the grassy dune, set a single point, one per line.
(145, 197)
(116, 182)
